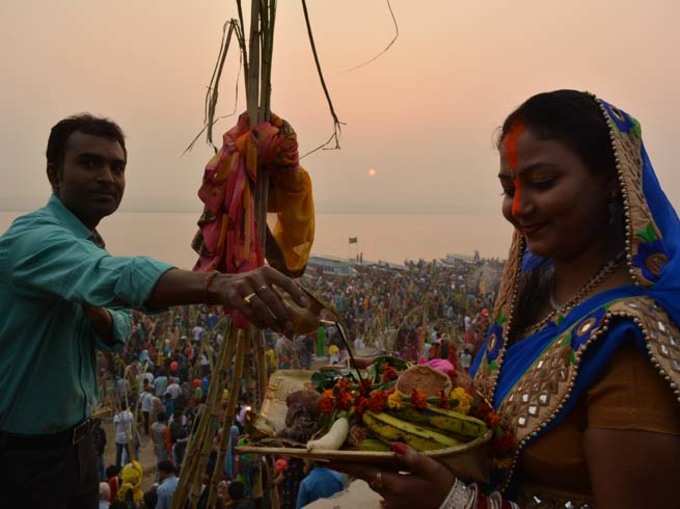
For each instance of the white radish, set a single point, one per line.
(333, 440)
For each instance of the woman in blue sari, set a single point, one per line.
(582, 359)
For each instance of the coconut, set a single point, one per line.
(427, 380)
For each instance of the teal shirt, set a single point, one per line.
(49, 267)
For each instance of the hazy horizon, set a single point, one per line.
(423, 116)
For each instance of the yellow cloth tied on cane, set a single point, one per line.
(290, 197)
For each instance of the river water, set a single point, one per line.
(388, 237)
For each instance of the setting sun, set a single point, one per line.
(371, 172)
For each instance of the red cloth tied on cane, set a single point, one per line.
(227, 240)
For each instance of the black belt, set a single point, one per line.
(69, 436)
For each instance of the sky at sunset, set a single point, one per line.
(420, 120)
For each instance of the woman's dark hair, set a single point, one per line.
(86, 124)
(570, 117)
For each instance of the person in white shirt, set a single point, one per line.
(465, 359)
(146, 405)
(104, 495)
(198, 333)
(174, 389)
(168, 485)
(204, 362)
(122, 423)
(123, 388)
(160, 384)
(156, 407)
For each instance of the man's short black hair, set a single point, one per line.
(86, 124)
(167, 467)
(112, 470)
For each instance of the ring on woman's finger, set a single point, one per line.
(263, 287)
(377, 483)
(249, 297)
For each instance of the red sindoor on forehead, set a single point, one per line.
(510, 145)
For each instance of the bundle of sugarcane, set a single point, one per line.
(247, 244)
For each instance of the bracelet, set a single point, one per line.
(460, 496)
(495, 501)
(208, 282)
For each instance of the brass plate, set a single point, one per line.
(470, 461)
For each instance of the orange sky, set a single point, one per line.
(423, 115)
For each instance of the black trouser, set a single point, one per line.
(52, 476)
(146, 422)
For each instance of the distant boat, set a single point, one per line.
(331, 265)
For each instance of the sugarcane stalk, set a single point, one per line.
(211, 417)
(190, 480)
(253, 76)
(234, 391)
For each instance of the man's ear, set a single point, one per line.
(54, 175)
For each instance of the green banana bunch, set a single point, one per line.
(371, 444)
(392, 429)
(451, 422)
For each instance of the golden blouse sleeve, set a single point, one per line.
(633, 396)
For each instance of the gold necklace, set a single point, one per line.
(585, 290)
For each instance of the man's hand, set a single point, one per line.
(252, 294)
(101, 322)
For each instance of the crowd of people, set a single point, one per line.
(157, 387)
(588, 297)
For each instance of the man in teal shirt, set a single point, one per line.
(63, 295)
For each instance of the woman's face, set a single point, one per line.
(551, 197)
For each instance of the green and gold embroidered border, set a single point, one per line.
(641, 229)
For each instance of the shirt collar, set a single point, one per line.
(70, 221)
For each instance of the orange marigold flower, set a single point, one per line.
(463, 400)
(377, 401)
(418, 399)
(327, 401)
(493, 419)
(345, 400)
(360, 405)
(394, 400)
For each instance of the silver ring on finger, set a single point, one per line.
(248, 298)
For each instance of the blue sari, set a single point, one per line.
(536, 382)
